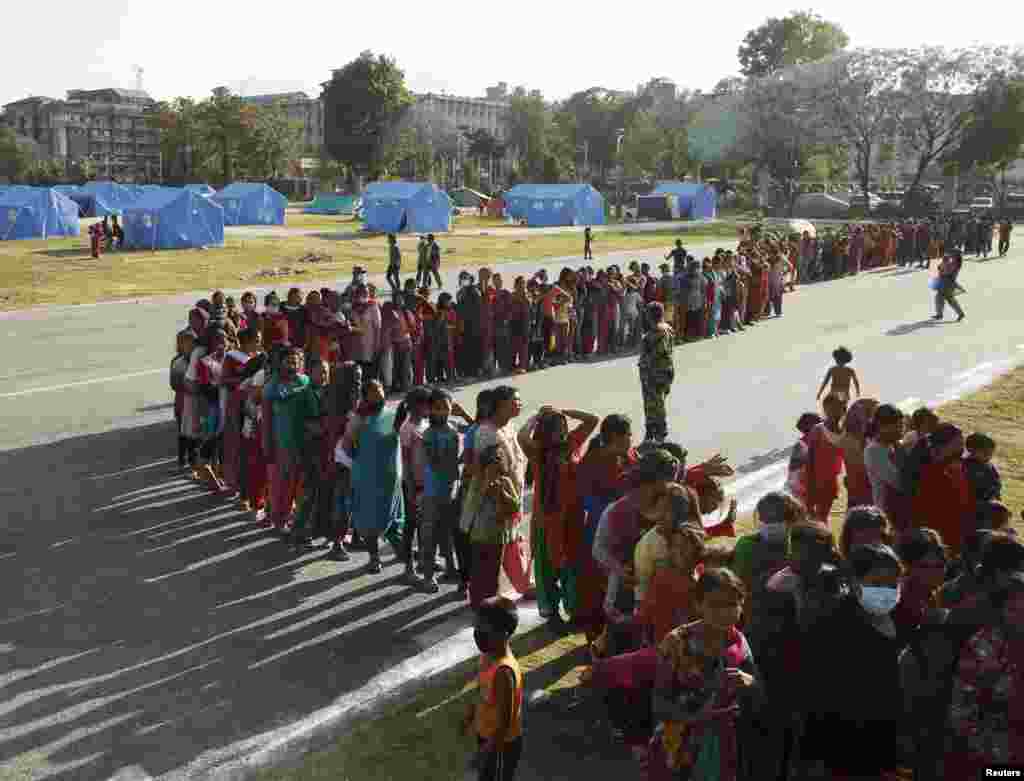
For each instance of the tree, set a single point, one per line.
(363, 103)
(994, 137)
(179, 126)
(936, 90)
(799, 38)
(643, 147)
(858, 103)
(14, 160)
(591, 120)
(224, 122)
(470, 175)
(269, 141)
(529, 131)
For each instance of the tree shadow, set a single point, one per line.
(909, 328)
(148, 621)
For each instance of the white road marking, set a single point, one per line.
(81, 383)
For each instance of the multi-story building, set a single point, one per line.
(489, 113)
(300, 108)
(107, 126)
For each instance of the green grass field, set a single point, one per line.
(61, 271)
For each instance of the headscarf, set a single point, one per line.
(552, 439)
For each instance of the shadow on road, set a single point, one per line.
(146, 621)
(909, 328)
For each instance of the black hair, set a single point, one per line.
(945, 434)
(656, 312)
(807, 421)
(719, 579)
(676, 450)
(485, 404)
(503, 393)
(655, 466)
(885, 415)
(842, 356)
(439, 394)
(978, 441)
(417, 396)
(500, 613)
(771, 508)
(863, 559)
(921, 416)
(614, 425)
(1014, 584)
(918, 544)
(294, 290)
(1002, 553)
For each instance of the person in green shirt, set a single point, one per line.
(761, 554)
(317, 461)
(286, 397)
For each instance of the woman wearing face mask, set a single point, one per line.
(852, 675)
(987, 711)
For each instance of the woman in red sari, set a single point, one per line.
(858, 486)
(825, 459)
(941, 495)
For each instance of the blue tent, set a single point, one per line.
(173, 218)
(328, 203)
(201, 189)
(110, 197)
(417, 207)
(544, 205)
(247, 203)
(696, 201)
(37, 213)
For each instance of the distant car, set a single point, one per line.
(982, 203)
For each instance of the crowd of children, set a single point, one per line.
(756, 669)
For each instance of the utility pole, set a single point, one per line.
(622, 166)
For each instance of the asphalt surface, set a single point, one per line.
(149, 630)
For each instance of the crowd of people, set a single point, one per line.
(903, 633)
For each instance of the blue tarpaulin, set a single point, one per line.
(696, 201)
(173, 218)
(109, 197)
(545, 205)
(37, 213)
(416, 207)
(247, 203)
(201, 189)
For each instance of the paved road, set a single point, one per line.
(146, 625)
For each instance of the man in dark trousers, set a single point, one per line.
(588, 254)
(433, 262)
(394, 264)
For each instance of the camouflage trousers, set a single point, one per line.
(655, 412)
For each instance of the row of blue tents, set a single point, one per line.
(153, 217)
(421, 207)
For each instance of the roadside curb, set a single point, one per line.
(289, 746)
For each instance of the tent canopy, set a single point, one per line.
(37, 213)
(173, 218)
(555, 204)
(696, 201)
(110, 197)
(329, 203)
(417, 207)
(468, 198)
(251, 203)
(201, 189)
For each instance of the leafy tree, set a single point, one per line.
(994, 137)
(14, 159)
(363, 103)
(269, 141)
(181, 136)
(591, 120)
(225, 124)
(530, 129)
(936, 90)
(799, 38)
(643, 147)
(858, 104)
(552, 173)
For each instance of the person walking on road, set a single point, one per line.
(588, 253)
(433, 262)
(1005, 229)
(946, 287)
(657, 371)
(394, 264)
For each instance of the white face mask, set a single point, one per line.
(879, 600)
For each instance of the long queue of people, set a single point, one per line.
(710, 671)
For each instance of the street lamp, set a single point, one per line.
(621, 134)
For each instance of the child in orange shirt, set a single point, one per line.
(668, 602)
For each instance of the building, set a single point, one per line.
(107, 126)
(489, 113)
(300, 108)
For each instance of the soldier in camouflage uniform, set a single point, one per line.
(657, 371)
